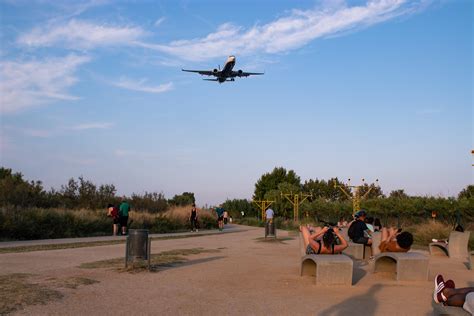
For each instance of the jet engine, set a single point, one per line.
(215, 70)
(240, 72)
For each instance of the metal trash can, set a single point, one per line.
(270, 230)
(138, 246)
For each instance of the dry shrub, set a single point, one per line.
(423, 233)
(182, 213)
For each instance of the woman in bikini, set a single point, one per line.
(322, 240)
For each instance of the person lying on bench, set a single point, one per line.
(395, 241)
(322, 241)
(445, 292)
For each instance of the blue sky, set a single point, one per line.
(353, 89)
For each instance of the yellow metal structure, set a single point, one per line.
(263, 205)
(296, 199)
(355, 197)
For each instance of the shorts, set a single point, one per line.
(469, 303)
(123, 220)
(220, 218)
(361, 240)
(310, 251)
(390, 246)
(116, 220)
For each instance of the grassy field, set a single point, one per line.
(34, 223)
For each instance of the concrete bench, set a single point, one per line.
(441, 310)
(408, 266)
(356, 251)
(359, 251)
(327, 269)
(457, 246)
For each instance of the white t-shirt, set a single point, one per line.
(469, 303)
(269, 213)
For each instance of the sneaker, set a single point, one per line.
(438, 290)
(449, 284)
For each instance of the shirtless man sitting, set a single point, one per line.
(395, 241)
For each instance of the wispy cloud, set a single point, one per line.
(92, 125)
(159, 21)
(78, 34)
(140, 85)
(289, 32)
(25, 84)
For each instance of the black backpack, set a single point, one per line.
(351, 230)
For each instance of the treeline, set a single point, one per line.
(17, 192)
(329, 202)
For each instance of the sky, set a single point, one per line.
(374, 89)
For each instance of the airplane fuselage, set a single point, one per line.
(226, 74)
(227, 70)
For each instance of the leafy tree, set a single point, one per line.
(467, 192)
(236, 206)
(186, 198)
(398, 194)
(151, 202)
(375, 191)
(326, 189)
(14, 190)
(270, 181)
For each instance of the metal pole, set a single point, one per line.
(126, 253)
(149, 253)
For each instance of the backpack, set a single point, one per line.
(351, 230)
(114, 213)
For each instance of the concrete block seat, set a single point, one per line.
(327, 269)
(357, 251)
(457, 246)
(408, 266)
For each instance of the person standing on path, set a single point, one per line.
(124, 209)
(269, 215)
(226, 215)
(112, 212)
(220, 217)
(193, 219)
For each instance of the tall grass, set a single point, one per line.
(423, 233)
(37, 223)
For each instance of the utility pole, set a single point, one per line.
(263, 205)
(355, 197)
(296, 199)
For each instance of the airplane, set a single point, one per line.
(226, 74)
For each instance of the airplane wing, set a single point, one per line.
(241, 73)
(201, 72)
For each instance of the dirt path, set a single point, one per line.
(246, 277)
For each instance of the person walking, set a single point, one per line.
(220, 217)
(193, 219)
(124, 209)
(112, 212)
